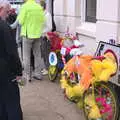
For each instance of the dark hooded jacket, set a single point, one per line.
(10, 65)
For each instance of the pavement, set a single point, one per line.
(44, 100)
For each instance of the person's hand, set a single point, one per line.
(18, 77)
(21, 81)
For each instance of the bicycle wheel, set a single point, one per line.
(106, 101)
(52, 72)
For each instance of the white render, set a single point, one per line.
(108, 20)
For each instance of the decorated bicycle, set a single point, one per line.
(54, 56)
(62, 49)
(93, 92)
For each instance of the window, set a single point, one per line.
(90, 15)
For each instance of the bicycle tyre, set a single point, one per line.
(114, 100)
(52, 72)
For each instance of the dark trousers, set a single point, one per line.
(10, 108)
(45, 50)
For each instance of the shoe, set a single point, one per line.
(30, 80)
(37, 78)
(45, 72)
(42, 70)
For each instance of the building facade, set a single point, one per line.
(93, 20)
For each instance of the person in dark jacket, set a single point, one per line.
(10, 70)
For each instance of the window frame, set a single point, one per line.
(86, 28)
(84, 12)
(86, 17)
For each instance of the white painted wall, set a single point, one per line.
(90, 44)
(66, 14)
(106, 30)
(58, 7)
(107, 19)
(107, 10)
(70, 7)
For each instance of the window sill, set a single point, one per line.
(87, 29)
